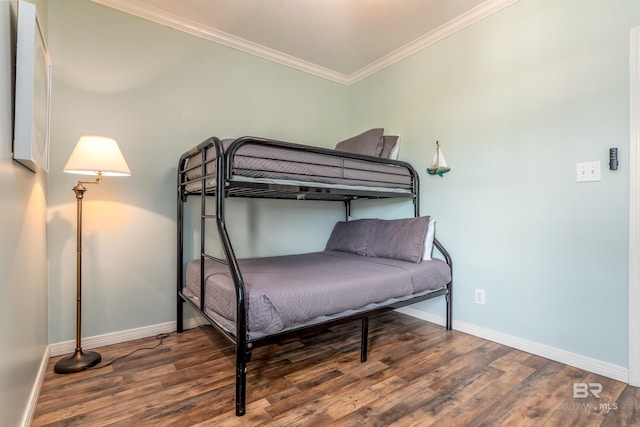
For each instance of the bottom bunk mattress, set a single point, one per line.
(286, 291)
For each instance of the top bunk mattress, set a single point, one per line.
(285, 291)
(257, 160)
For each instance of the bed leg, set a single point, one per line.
(241, 389)
(449, 299)
(179, 311)
(364, 341)
(243, 356)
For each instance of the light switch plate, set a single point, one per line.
(588, 171)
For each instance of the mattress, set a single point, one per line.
(286, 291)
(295, 164)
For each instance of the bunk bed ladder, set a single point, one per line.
(243, 349)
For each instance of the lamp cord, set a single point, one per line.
(160, 337)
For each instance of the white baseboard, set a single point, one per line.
(30, 411)
(66, 347)
(596, 366)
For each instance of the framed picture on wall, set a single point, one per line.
(33, 92)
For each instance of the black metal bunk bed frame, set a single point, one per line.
(225, 186)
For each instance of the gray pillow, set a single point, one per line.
(351, 236)
(401, 239)
(369, 143)
(388, 142)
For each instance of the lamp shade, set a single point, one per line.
(95, 154)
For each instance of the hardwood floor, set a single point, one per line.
(417, 374)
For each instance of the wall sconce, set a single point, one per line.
(439, 164)
(98, 156)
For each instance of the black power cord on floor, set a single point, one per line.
(160, 337)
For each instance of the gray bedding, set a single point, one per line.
(285, 291)
(262, 162)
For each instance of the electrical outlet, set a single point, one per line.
(589, 171)
(480, 296)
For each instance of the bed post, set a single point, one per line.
(449, 306)
(180, 243)
(449, 299)
(449, 295)
(364, 341)
(443, 251)
(416, 193)
(241, 382)
(179, 301)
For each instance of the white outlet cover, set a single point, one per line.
(588, 172)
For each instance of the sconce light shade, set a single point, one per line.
(97, 154)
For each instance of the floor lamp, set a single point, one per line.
(97, 156)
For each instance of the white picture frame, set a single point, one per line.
(33, 92)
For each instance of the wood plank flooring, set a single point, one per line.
(417, 374)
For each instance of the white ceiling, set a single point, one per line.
(341, 40)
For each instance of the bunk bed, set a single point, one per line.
(255, 302)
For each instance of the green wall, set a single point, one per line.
(23, 249)
(517, 100)
(159, 92)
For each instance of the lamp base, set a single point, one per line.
(78, 361)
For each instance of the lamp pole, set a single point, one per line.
(80, 359)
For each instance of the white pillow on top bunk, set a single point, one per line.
(390, 147)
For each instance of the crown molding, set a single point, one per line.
(136, 8)
(461, 22)
(133, 7)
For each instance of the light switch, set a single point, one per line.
(588, 171)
